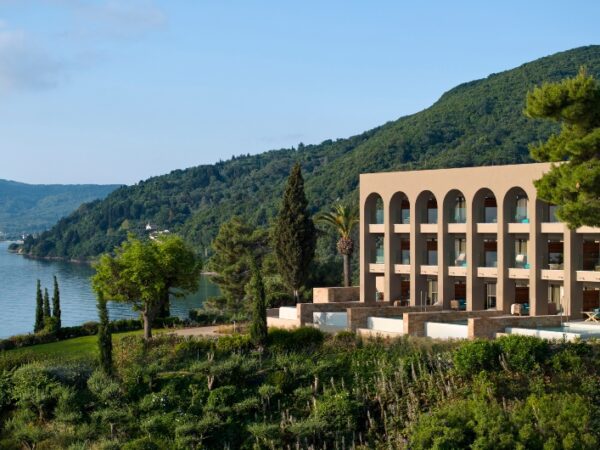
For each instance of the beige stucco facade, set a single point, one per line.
(478, 235)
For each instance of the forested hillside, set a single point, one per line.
(476, 123)
(29, 208)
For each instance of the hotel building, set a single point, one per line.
(473, 239)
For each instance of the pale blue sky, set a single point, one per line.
(117, 91)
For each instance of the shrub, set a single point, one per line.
(523, 353)
(206, 317)
(233, 343)
(299, 339)
(474, 356)
(144, 443)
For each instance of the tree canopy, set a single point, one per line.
(141, 272)
(573, 184)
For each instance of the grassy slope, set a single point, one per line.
(84, 346)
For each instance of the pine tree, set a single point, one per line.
(104, 336)
(256, 290)
(56, 304)
(46, 304)
(574, 184)
(236, 243)
(39, 309)
(294, 234)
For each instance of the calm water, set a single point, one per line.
(18, 276)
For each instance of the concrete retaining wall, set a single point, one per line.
(276, 322)
(414, 322)
(357, 317)
(336, 294)
(439, 330)
(393, 325)
(367, 333)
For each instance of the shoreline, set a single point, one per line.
(88, 262)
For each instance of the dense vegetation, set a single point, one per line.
(304, 390)
(31, 208)
(476, 123)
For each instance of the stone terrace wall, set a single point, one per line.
(487, 327)
(336, 294)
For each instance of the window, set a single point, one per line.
(379, 258)
(490, 210)
(521, 211)
(460, 252)
(405, 212)
(432, 259)
(490, 253)
(460, 210)
(490, 295)
(552, 213)
(555, 295)
(432, 211)
(432, 291)
(521, 254)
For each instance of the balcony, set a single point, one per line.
(402, 268)
(553, 227)
(553, 275)
(376, 268)
(487, 227)
(457, 271)
(457, 228)
(592, 276)
(429, 270)
(518, 274)
(402, 228)
(487, 272)
(429, 228)
(520, 227)
(594, 230)
(376, 228)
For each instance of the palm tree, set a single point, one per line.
(342, 219)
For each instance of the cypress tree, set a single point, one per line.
(104, 336)
(56, 303)
(46, 304)
(258, 326)
(294, 234)
(39, 309)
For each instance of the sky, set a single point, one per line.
(113, 91)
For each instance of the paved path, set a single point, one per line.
(199, 331)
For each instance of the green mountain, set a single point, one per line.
(476, 123)
(30, 208)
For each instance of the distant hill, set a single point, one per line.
(477, 123)
(30, 208)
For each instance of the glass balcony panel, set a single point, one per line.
(491, 214)
(460, 215)
(432, 215)
(432, 258)
(521, 261)
(405, 257)
(491, 259)
(405, 216)
(379, 256)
